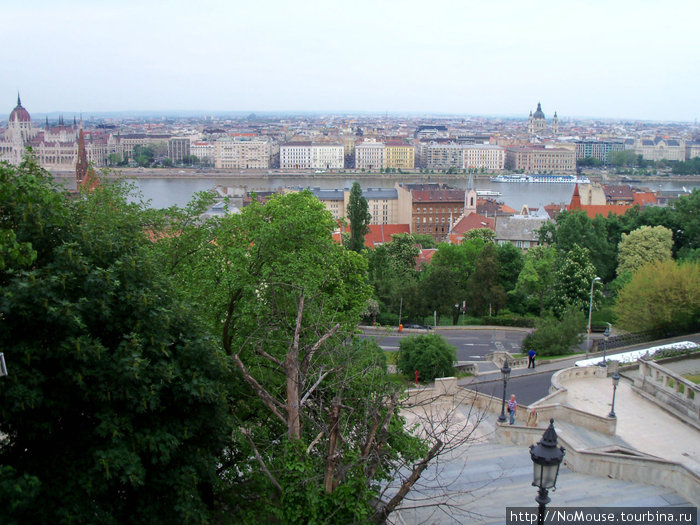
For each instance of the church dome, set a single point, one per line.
(539, 113)
(20, 114)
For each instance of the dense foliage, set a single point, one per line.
(429, 354)
(114, 409)
(659, 296)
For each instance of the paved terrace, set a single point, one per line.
(479, 479)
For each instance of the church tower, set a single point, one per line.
(470, 198)
(555, 124)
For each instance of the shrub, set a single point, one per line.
(554, 336)
(430, 354)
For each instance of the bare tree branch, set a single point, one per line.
(262, 463)
(332, 457)
(266, 398)
(291, 370)
(381, 514)
(314, 386)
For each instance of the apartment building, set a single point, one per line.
(246, 153)
(307, 155)
(204, 151)
(430, 208)
(540, 159)
(369, 155)
(383, 204)
(598, 149)
(178, 148)
(483, 156)
(399, 155)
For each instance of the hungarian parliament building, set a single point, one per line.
(54, 146)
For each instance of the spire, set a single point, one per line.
(47, 123)
(81, 166)
(470, 184)
(19, 102)
(575, 199)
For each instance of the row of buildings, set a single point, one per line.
(295, 146)
(448, 214)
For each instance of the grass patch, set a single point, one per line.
(391, 356)
(548, 357)
(695, 378)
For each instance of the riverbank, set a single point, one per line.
(209, 173)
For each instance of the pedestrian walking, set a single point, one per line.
(512, 407)
(531, 358)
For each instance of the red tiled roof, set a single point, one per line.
(604, 209)
(644, 198)
(438, 196)
(424, 257)
(472, 221)
(381, 233)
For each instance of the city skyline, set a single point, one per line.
(591, 59)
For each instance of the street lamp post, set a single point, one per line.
(505, 372)
(615, 381)
(590, 311)
(606, 334)
(546, 459)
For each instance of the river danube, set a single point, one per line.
(165, 192)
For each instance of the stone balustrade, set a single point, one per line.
(670, 389)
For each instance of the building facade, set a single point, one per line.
(540, 159)
(246, 153)
(369, 155)
(598, 149)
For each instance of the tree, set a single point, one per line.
(358, 213)
(429, 354)
(317, 424)
(553, 336)
(484, 291)
(510, 262)
(115, 408)
(574, 227)
(536, 279)
(438, 292)
(573, 275)
(643, 245)
(485, 234)
(660, 295)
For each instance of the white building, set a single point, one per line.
(246, 153)
(307, 155)
(369, 155)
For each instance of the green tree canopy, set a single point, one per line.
(659, 296)
(430, 354)
(114, 410)
(573, 275)
(556, 336)
(643, 245)
(358, 213)
(285, 300)
(536, 279)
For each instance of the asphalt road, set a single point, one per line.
(471, 344)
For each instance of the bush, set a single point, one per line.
(388, 319)
(430, 354)
(525, 322)
(553, 336)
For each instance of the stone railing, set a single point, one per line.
(669, 389)
(499, 358)
(615, 463)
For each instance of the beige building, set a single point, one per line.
(383, 204)
(484, 156)
(659, 148)
(246, 153)
(541, 159)
(399, 155)
(369, 155)
(204, 151)
(432, 209)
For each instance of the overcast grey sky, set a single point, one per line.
(602, 58)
